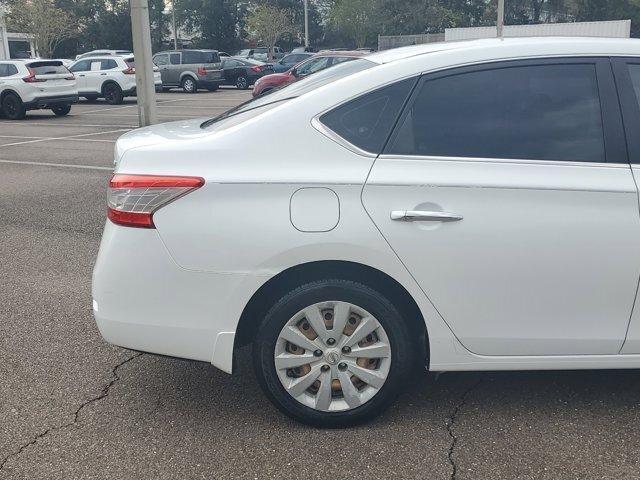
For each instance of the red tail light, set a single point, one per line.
(133, 199)
(31, 78)
(201, 71)
(256, 69)
(129, 71)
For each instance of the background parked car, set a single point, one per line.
(243, 72)
(304, 50)
(110, 77)
(314, 64)
(35, 84)
(94, 53)
(289, 61)
(261, 53)
(189, 69)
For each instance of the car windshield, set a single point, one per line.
(297, 89)
(253, 61)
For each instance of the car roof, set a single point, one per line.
(513, 47)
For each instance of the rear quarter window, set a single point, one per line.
(367, 121)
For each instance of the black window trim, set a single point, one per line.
(629, 104)
(614, 141)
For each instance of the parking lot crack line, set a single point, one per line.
(104, 392)
(450, 422)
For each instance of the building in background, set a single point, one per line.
(615, 28)
(15, 45)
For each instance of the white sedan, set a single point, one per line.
(468, 206)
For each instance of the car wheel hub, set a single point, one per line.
(332, 356)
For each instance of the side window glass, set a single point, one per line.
(538, 112)
(11, 70)
(161, 59)
(4, 71)
(108, 64)
(81, 66)
(634, 72)
(96, 65)
(174, 59)
(190, 58)
(366, 121)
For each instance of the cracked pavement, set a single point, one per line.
(72, 406)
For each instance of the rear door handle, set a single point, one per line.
(424, 216)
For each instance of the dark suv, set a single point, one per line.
(189, 69)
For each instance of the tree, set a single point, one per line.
(48, 24)
(268, 24)
(212, 23)
(358, 20)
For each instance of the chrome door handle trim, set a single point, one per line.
(422, 216)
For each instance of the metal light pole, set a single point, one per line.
(145, 88)
(173, 24)
(500, 23)
(306, 23)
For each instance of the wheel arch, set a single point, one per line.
(8, 91)
(109, 82)
(279, 285)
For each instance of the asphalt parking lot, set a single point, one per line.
(72, 406)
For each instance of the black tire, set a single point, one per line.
(242, 83)
(61, 110)
(376, 304)
(213, 88)
(112, 94)
(189, 85)
(12, 107)
(91, 98)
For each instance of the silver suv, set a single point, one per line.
(189, 69)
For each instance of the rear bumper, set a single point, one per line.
(144, 301)
(51, 101)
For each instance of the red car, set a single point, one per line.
(305, 68)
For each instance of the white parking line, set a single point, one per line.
(64, 165)
(64, 138)
(131, 105)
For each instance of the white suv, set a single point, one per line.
(35, 84)
(109, 77)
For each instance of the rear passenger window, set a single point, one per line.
(367, 121)
(108, 64)
(174, 59)
(634, 71)
(539, 112)
(3, 70)
(189, 58)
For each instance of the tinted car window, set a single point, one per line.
(367, 121)
(210, 57)
(81, 66)
(313, 65)
(190, 57)
(634, 71)
(7, 69)
(540, 112)
(108, 64)
(161, 59)
(174, 59)
(47, 68)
